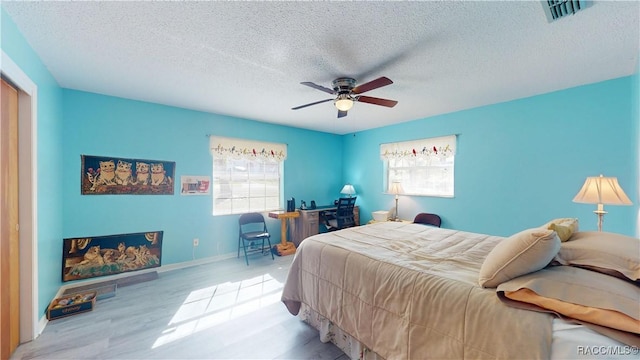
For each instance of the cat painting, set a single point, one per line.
(158, 175)
(142, 256)
(123, 173)
(108, 175)
(105, 175)
(121, 251)
(109, 256)
(142, 173)
(93, 256)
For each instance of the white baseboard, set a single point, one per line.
(161, 269)
(197, 262)
(41, 324)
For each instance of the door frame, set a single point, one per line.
(30, 325)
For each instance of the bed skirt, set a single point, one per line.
(329, 332)
(567, 338)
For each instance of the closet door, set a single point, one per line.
(9, 238)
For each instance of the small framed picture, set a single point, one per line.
(195, 185)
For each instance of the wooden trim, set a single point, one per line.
(31, 323)
(9, 236)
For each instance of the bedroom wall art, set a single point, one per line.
(102, 175)
(194, 185)
(88, 257)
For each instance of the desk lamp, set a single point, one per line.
(348, 190)
(601, 190)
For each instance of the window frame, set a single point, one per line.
(240, 158)
(404, 162)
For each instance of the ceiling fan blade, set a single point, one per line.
(376, 101)
(319, 87)
(373, 84)
(341, 113)
(313, 103)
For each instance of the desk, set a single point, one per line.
(285, 247)
(308, 223)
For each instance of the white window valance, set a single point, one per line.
(440, 147)
(223, 148)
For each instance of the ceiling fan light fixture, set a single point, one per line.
(347, 93)
(344, 102)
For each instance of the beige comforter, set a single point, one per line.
(409, 291)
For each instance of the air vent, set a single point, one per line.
(556, 9)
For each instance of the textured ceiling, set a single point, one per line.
(247, 59)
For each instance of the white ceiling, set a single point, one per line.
(247, 59)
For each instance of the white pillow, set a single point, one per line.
(522, 253)
(603, 250)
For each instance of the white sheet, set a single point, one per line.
(572, 341)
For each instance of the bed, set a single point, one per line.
(396, 290)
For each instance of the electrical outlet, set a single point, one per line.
(196, 242)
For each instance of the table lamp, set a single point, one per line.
(601, 190)
(396, 189)
(348, 190)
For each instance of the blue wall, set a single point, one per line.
(49, 158)
(108, 126)
(519, 163)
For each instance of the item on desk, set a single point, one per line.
(335, 202)
(291, 205)
(313, 204)
(303, 205)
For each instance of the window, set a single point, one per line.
(247, 175)
(423, 167)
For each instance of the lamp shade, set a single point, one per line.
(396, 188)
(348, 190)
(602, 190)
(343, 103)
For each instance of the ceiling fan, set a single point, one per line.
(347, 93)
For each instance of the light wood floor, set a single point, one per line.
(221, 310)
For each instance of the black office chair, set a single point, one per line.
(428, 219)
(342, 217)
(251, 229)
